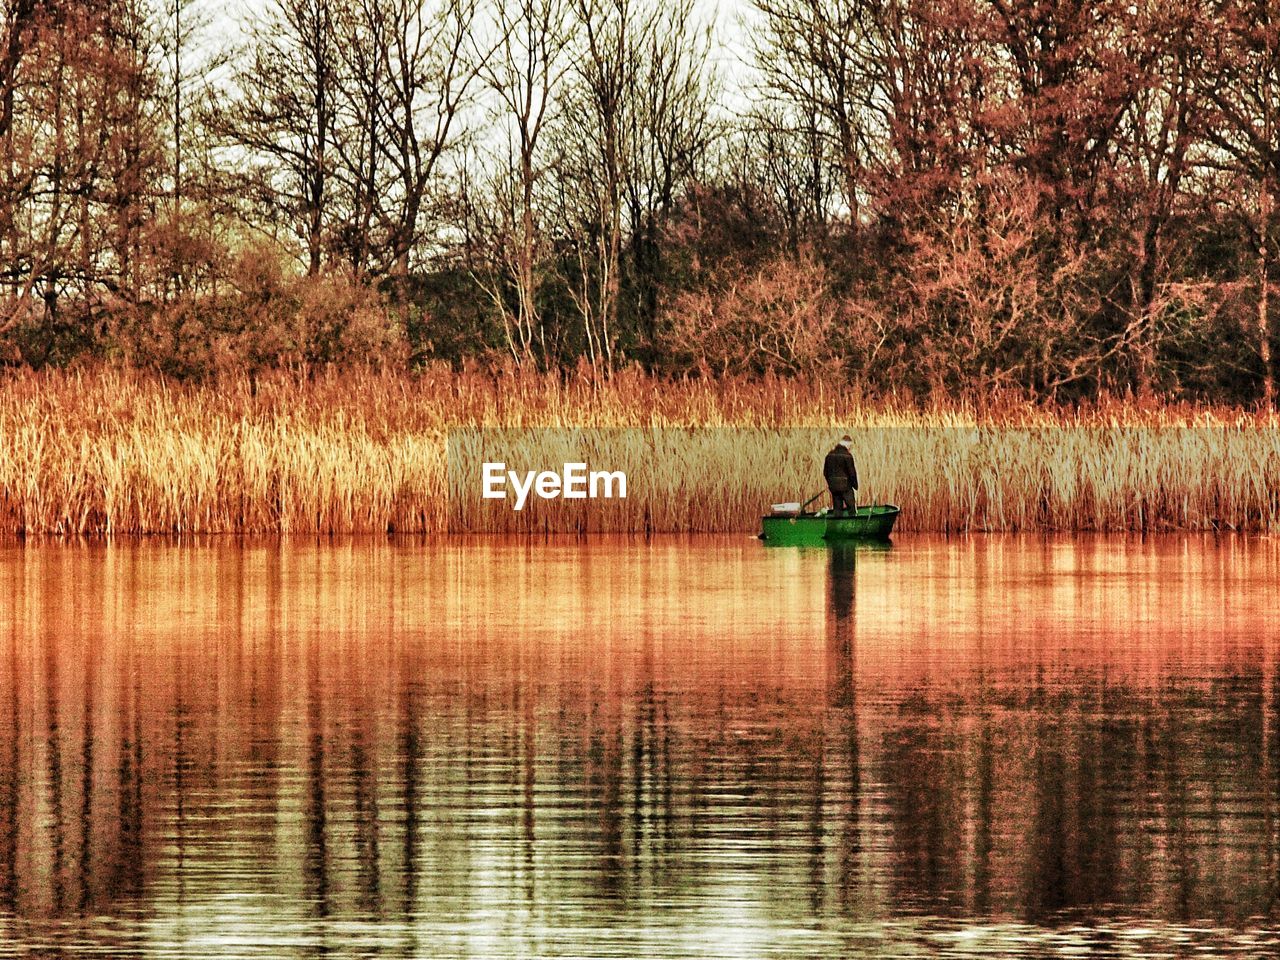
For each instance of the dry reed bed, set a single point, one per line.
(113, 453)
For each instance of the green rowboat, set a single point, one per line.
(873, 522)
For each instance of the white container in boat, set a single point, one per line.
(786, 508)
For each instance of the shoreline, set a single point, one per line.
(1048, 538)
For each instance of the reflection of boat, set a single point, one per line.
(872, 522)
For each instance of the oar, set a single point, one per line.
(811, 499)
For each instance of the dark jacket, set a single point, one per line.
(839, 470)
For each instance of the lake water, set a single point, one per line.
(618, 748)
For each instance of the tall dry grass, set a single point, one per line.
(105, 452)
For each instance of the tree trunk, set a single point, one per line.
(1144, 294)
(1264, 290)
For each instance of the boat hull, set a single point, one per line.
(873, 522)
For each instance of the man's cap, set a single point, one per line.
(846, 437)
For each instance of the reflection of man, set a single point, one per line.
(841, 570)
(842, 476)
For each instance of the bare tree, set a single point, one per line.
(635, 129)
(1241, 83)
(284, 117)
(822, 57)
(594, 163)
(523, 71)
(80, 150)
(191, 66)
(1159, 140)
(411, 69)
(673, 126)
(782, 153)
(364, 45)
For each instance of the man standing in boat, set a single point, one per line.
(842, 476)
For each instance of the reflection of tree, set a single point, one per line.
(1104, 740)
(1051, 883)
(84, 868)
(127, 871)
(53, 745)
(605, 755)
(365, 816)
(10, 731)
(1176, 810)
(642, 760)
(260, 607)
(983, 815)
(926, 783)
(315, 860)
(410, 752)
(184, 769)
(842, 709)
(1270, 870)
(528, 779)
